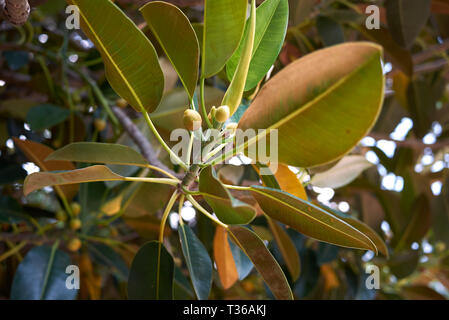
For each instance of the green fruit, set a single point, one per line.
(192, 120)
(61, 215)
(100, 124)
(76, 208)
(222, 114)
(121, 103)
(75, 224)
(74, 244)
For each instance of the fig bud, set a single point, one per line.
(192, 120)
(222, 114)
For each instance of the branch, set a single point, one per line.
(15, 11)
(412, 142)
(144, 146)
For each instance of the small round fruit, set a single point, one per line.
(74, 244)
(75, 224)
(192, 120)
(76, 208)
(100, 124)
(222, 114)
(61, 215)
(121, 103)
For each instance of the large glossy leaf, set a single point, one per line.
(197, 260)
(406, 18)
(39, 180)
(45, 116)
(242, 262)
(224, 21)
(42, 276)
(131, 63)
(322, 105)
(271, 27)
(177, 38)
(151, 273)
(37, 153)
(227, 208)
(309, 219)
(92, 152)
(343, 173)
(264, 262)
(287, 248)
(234, 94)
(227, 270)
(285, 179)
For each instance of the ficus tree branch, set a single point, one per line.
(144, 145)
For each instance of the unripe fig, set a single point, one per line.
(121, 103)
(74, 244)
(192, 120)
(61, 215)
(100, 124)
(76, 208)
(75, 224)
(222, 114)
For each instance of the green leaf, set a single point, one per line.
(287, 249)
(271, 27)
(151, 273)
(131, 63)
(224, 21)
(41, 276)
(330, 31)
(39, 180)
(177, 38)
(93, 152)
(263, 260)
(234, 94)
(228, 209)
(197, 260)
(309, 219)
(322, 104)
(242, 262)
(343, 173)
(45, 116)
(406, 18)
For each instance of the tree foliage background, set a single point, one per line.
(53, 92)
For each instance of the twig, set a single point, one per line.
(144, 145)
(412, 142)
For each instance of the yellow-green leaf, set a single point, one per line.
(263, 260)
(234, 93)
(287, 248)
(177, 38)
(131, 63)
(93, 152)
(227, 208)
(224, 21)
(310, 219)
(322, 105)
